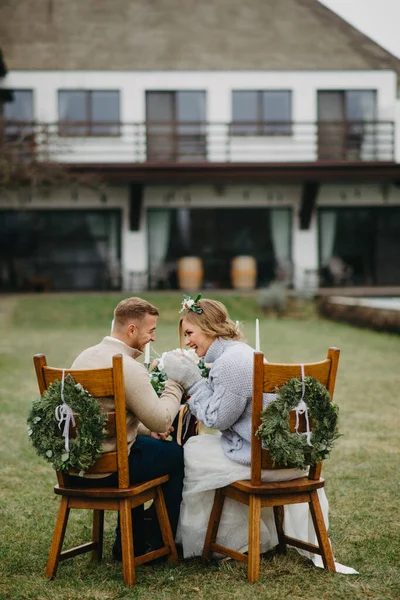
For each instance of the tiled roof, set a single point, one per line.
(184, 35)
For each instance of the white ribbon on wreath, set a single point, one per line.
(301, 409)
(64, 414)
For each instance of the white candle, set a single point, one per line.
(257, 336)
(147, 354)
(237, 325)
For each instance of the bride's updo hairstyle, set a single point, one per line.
(213, 320)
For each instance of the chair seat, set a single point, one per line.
(303, 484)
(110, 492)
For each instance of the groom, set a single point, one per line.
(148, 418)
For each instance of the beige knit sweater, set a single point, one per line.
(146, 412)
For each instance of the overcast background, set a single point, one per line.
(379, 19)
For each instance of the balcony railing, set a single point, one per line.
(200, 142)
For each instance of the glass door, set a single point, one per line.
(346, 125)
(176, 126)
(331, 128)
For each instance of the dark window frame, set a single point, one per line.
(13, 91)
(174, 93)
(174, 134)
(262, 127)
(343, 92)
(88, 125)
(20, 131)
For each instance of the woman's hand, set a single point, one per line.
(181, 369)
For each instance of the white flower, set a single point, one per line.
(190, 353)
(186, 304)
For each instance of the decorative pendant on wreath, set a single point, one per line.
(297, 449)
(51, 417)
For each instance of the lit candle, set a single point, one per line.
(237, 325)
(257, 336)
(147, 354)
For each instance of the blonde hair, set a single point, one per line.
(214, 321)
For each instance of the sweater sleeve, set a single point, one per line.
(143, 430)
(157, 414)
(220, 404)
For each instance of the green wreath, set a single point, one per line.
(46, 434)
(287, 448)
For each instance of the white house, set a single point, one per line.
(222, 129)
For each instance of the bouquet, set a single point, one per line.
(158, 376)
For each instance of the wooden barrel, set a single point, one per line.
(190, 273)
(244, 272)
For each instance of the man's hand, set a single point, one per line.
(181, 369)
(161, 436)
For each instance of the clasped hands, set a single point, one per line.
(162, 436)
(182, 369)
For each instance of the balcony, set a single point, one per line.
(200, 143)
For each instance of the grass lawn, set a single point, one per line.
(362, 474)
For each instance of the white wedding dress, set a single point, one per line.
(207, 468)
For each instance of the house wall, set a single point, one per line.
(219, 85)
(134, 255)
(131, 145)
(397, 129)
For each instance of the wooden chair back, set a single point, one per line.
(101, 383)
(266, 378)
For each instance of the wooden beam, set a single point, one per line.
(308, 201)
(230, 173)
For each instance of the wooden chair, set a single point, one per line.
(257, 495)
(108, 383)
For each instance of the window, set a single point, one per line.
(366, 242)
(73, 249)
(261, 112)
(176, 125)
(89, 112)
(263, 233)
(18, 108)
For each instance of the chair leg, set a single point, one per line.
(279, 515)
(253, 571)
(213, 524)
(165, 526)
(97, 534)
(128, 557)
(321, 532)
(58, 538)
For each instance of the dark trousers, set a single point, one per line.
(148, 459)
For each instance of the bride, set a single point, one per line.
(215, 460)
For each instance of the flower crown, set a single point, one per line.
(189, 304)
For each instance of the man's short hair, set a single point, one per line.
(133, 309)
